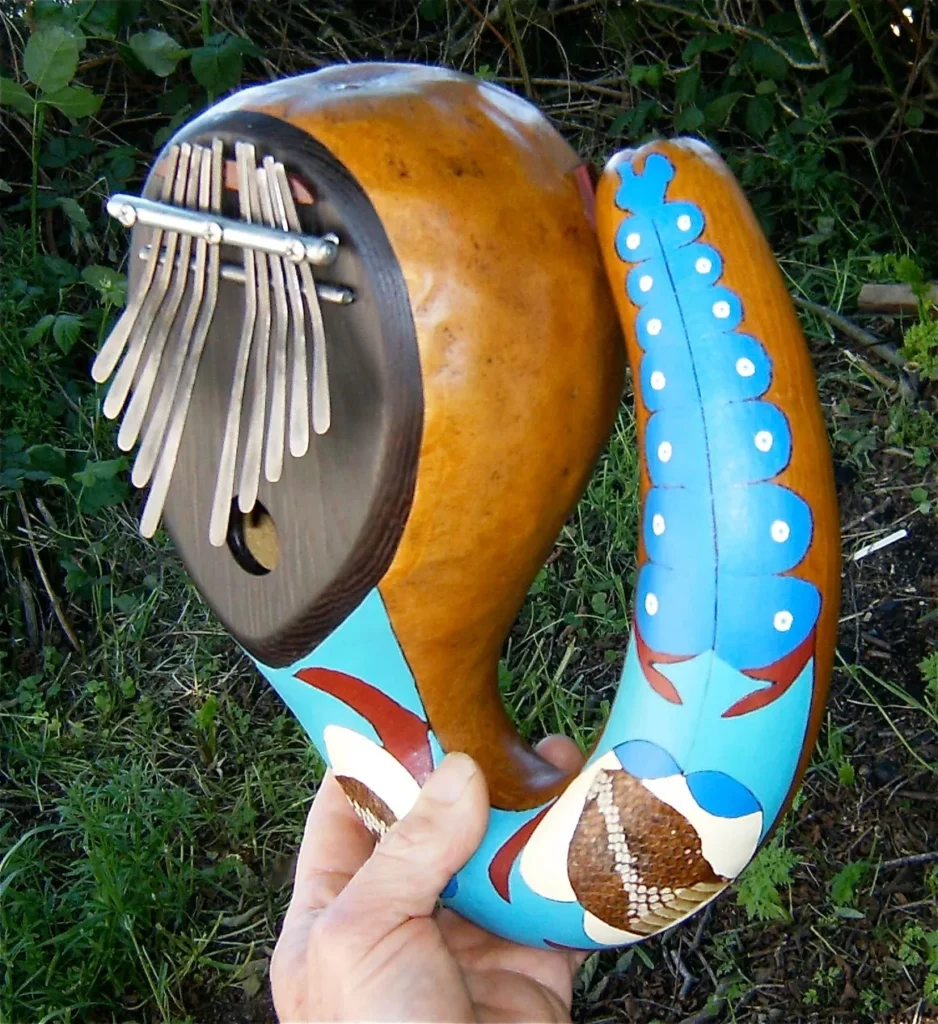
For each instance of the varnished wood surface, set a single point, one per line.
(521, 358)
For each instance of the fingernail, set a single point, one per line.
(448, 783)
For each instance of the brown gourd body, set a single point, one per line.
(521, 359)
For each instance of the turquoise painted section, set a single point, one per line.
(761, 750)
(363, 646)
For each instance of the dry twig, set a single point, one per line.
(56, 604)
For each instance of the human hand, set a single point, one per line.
(363, 940)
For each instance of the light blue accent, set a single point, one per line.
(721, 795)
(645, 760)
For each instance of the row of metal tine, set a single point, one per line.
(160, 363)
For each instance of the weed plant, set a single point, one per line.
(153, 789)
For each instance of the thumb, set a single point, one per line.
(411, 865)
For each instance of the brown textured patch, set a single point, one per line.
(634, 862)
(375, 814)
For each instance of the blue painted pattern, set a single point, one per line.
(718, 533)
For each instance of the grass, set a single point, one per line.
(153, 788)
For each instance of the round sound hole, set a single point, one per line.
(252, 539)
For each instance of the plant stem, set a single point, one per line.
(39, 118)
(206, 20)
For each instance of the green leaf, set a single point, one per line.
(205, 716)
(101, 485)
(643, 111)
(689, 119)
(704, 43)
(688, 86)
(46, 462)
(107, 18)
(765, 61)
(717, 111)
(39, 330)
(65, 330)
(768, 87)
(760, 113)
(845, 882)
(217, 65)
(837, 87)
(51, 58)
(109, 284)
(76, 215)
(75, 102)
(12, 94)
(432, 10)
(619, 124)
(650, 73)
(157, 51)
(63, 150)
(914, 117)
(757, 890)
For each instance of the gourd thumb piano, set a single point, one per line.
(372, 348)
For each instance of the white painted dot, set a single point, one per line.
(658, 380)
(783, 621)
(654, 326)
(721, 309)
(665, 451)
(657, 524)
(764, 441)
(683, 222)
(781, 531)
(703, 265)
(745, 367)
(633, 241)
(645, 282)
(651, 604)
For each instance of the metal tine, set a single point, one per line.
(299, 378)
(273, 455)
(143, 390)
(221, 504)
(156, 499)
(113, 348)
(124, 377)
(251, 459)
(155, 430)
(322, 414)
